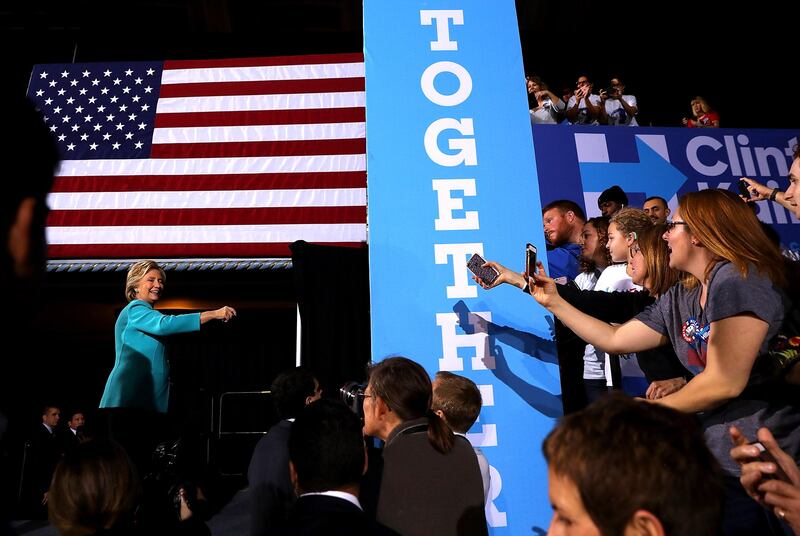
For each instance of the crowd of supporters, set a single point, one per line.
(609, 106)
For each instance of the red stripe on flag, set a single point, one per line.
(261, 87)
(259, 148)
(206, 216)
(194, 183)
(261, 117)
(123, 251)
(311, 59)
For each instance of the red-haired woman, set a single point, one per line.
(719, 320)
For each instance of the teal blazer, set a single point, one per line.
(140, 377)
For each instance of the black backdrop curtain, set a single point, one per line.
(332, 286)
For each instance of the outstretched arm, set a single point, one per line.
(632, 336)
(224, 313)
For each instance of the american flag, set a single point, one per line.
(216, 158)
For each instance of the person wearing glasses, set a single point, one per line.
(583, 107)
(719, 321)
(431, 482)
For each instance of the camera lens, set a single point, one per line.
(352, 394)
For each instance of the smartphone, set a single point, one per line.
(530, 259)
(486, 273)
(765, 456)
(743, 191)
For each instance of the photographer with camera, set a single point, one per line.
(431, 483)
(617, 108)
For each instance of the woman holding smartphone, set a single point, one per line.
(719, 321)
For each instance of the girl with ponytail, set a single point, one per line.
(431, 482)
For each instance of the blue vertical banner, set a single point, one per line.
(451, 172)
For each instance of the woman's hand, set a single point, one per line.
(225, 313)
(758, 477)
(662, 388)
(543, 288)
(505, 276)
(757, 190)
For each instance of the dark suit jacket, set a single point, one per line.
(323, 515)
(67, 439)
(270, 487)
(424, 492)
(45, 454)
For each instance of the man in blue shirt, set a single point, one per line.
(563, 222)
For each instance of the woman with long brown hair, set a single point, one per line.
(649, 266)
(431, 482)
(719, 320)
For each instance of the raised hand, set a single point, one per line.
(543, 288)
(506, 276)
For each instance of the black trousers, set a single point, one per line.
(138, 431)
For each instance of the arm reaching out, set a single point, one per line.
(632, 336)
(224, 313)
(506, 276)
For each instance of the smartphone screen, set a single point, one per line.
(487, 274)
(530, 259)
(765, 456)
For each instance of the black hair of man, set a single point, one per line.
(290, 390)
(614, 193)
(663, 201)
(565, 205)
(326, 447)
(47, 407)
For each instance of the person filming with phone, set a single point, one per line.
(618, 109)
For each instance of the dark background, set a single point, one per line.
(742, 57)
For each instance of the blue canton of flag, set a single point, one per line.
(99, 112)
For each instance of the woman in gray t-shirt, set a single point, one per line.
(719, 320)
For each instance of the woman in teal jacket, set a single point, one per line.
(140, 377)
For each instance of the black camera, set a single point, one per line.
(163, 485)
(611, 90)
(352, 394)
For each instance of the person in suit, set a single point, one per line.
(270, 486)
(327, 458)
(72, 435)
(430, 482)
(45, 453)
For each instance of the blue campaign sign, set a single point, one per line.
(580, 162)
(451, 172)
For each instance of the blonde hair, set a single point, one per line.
(631, 220)
(703, 105)
(135, 274)
(730, 231)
